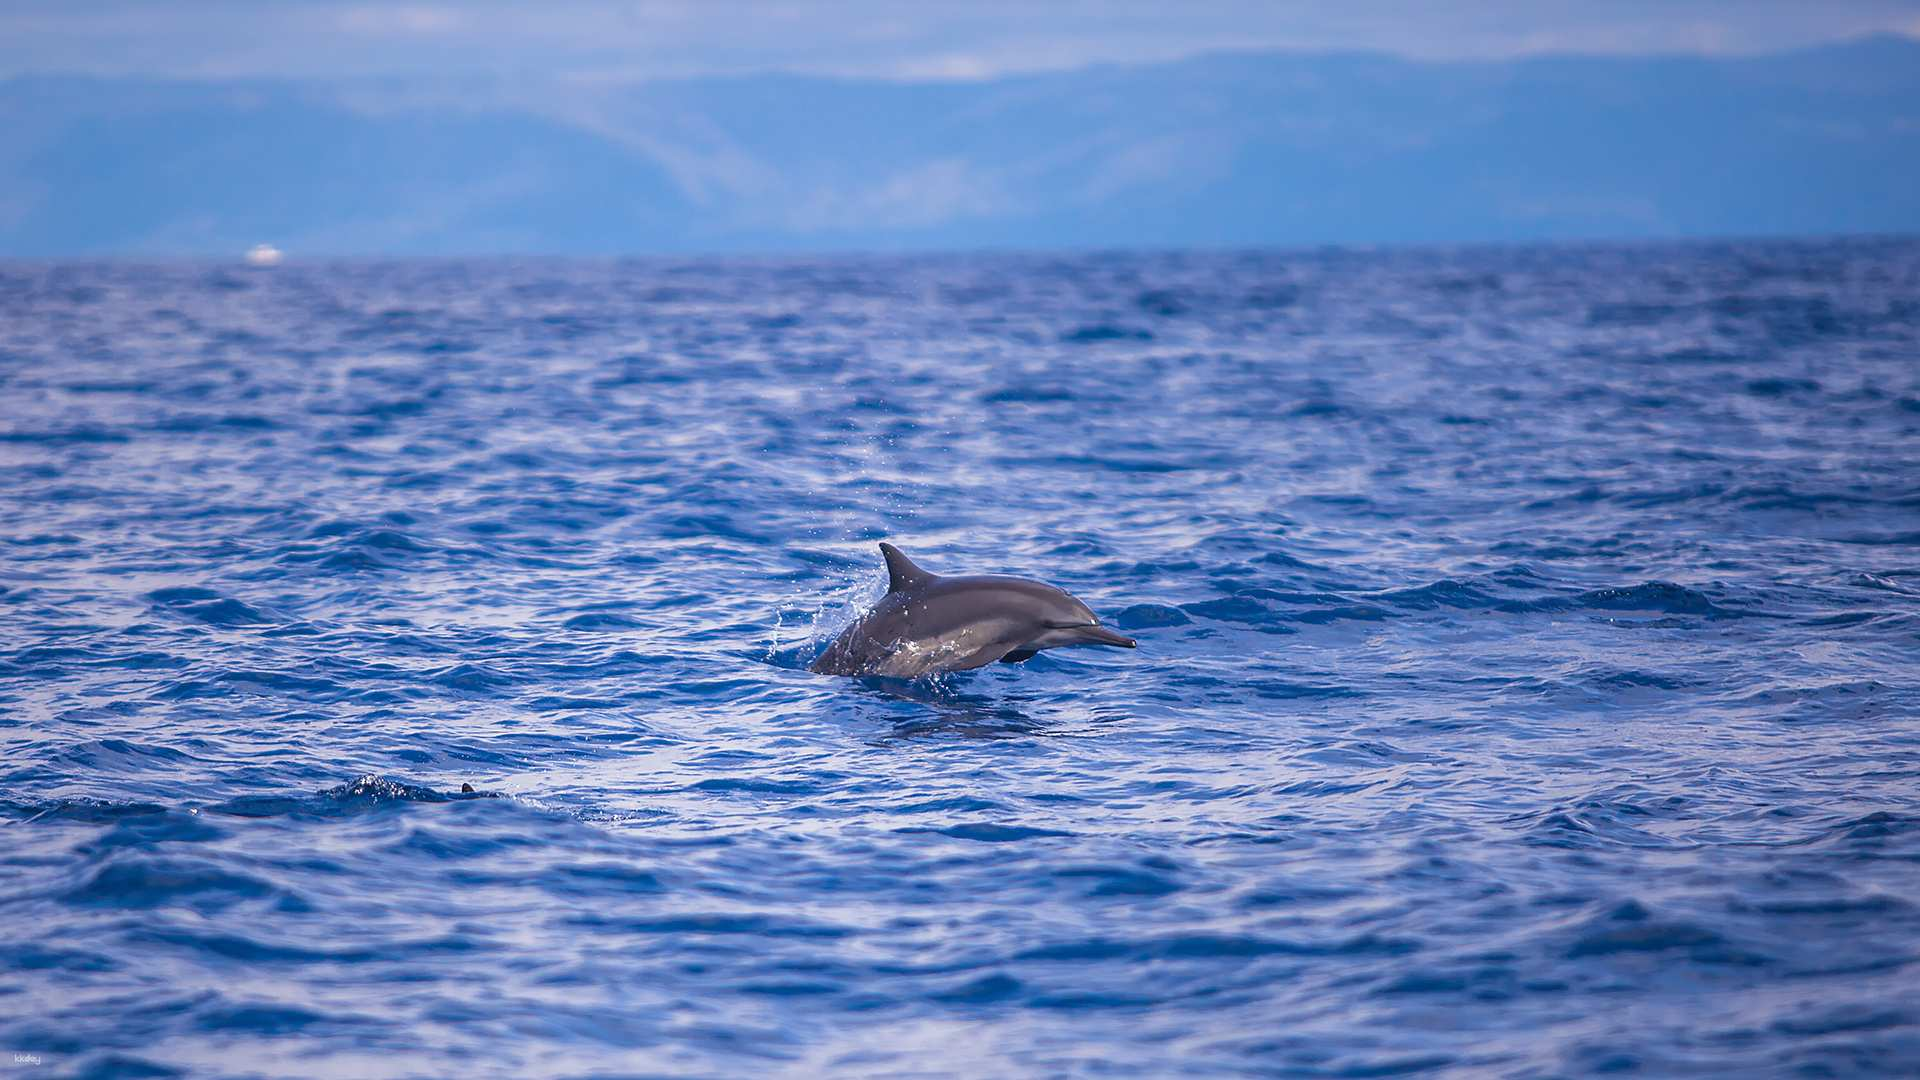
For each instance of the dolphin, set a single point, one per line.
(927, 624)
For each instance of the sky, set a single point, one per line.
(920, 40)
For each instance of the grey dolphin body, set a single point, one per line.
(927, 623)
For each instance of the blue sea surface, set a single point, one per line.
(1528, 682)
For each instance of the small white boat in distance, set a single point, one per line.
(263, 255)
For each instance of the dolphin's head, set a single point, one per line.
(1061, 620)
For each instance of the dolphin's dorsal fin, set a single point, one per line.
(901, 573)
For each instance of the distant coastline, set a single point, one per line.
(1226, 150)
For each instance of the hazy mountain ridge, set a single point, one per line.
(1227, 149)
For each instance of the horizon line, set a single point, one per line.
(1120, 249)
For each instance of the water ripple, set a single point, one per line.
(403, 665)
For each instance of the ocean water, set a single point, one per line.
(1527, 680)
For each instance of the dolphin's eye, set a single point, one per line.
(1054, 624)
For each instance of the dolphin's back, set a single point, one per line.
(948, 624)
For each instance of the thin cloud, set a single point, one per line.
(407, 20)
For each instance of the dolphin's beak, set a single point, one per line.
(1100, 635)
